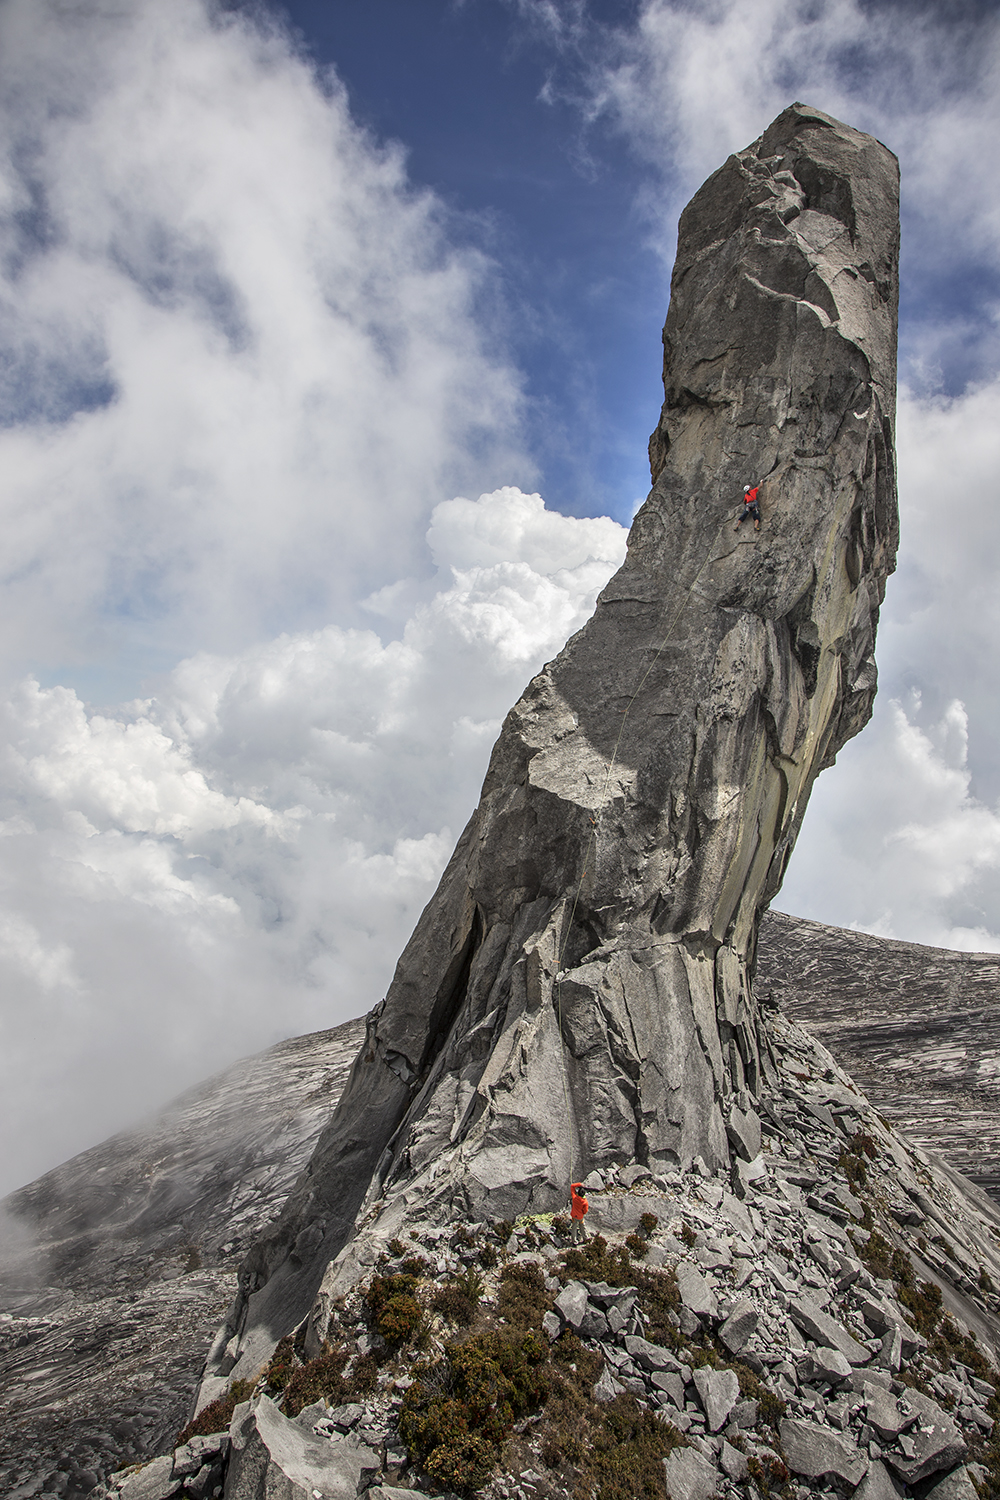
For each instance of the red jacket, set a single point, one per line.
(751, 495)
(579, 1204)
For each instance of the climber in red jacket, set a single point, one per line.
(751, 507)
(578, 1208)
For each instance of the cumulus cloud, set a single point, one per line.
(243, 856)
(243, 356)
(244, 361)
(899, 845)
(902, 837)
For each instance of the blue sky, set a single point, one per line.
(330, 349)
(483, 102)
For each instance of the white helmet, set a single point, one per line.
(746, 489)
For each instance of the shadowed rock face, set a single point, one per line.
(577, 992)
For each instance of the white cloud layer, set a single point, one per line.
(243, 357)
(243, 857)
(903, 837)
(898, 844)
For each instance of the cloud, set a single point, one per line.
(243, 356)
(243, 856)
(244, 360)
(899, 845)
(901, 837)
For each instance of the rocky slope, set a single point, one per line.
(578, 990)
(118, 1266)
(819, 1321)
(103, 1374)
(918, 1028)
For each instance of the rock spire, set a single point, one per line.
(577, 994)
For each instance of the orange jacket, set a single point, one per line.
(579, 1202)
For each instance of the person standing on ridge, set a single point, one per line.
(751, 507)
(579, 1207)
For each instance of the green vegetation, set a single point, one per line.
(218, 1414)
(853, 1162)
(458, 1412)
(283, 1364)
(523, 1300)
(392, 1309)
(594, 1261)
(459, 1299)
(461, 1408)
(770, 1476)
(613, 1451)
(320, 1378)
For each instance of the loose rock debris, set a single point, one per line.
(805, 1328)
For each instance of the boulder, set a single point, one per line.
(345, 1417)
(879, 1484)
(815, 1452)
(607, 1387)
(824, 1365)
(746, 1173)
(890, 1354)
(606, 1296)
(571, 1304)
(935, 1442)
(738, 1329)
(718, 1392)
(696, 1294)
(671, 1385)
(957, 1485)
(154, 1481)
(883, 1414)
(819, 1326)
(594, 1324)
(628, 1176)
(689, 1475)
(733, 1463)
(274, 1459)
(745, 1413)
(743, 1130)
(650, 1356)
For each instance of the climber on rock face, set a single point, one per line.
(579, 1207)
(751, 506)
